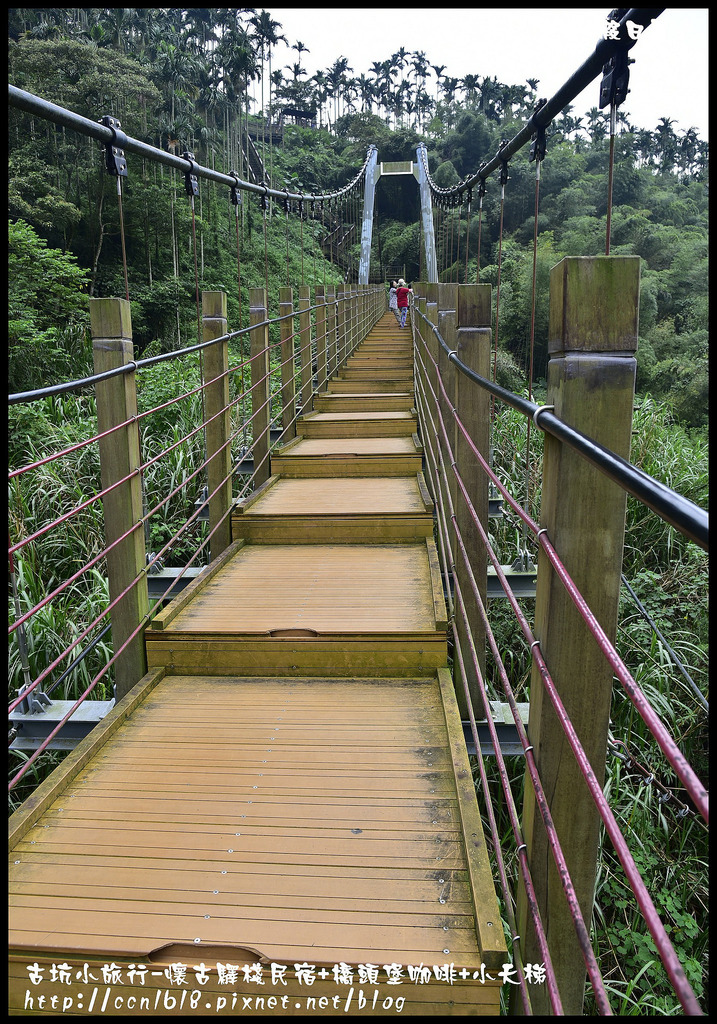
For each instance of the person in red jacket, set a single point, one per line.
(403, 293)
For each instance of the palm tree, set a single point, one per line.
(177, 69)
(688, 147)
(300, 48)
(420, 70)
(666, 143)
(237, 58)
(470, 87)
(267, 36)
(365, 90)
(489, 94)
(438, 70)
(449, 91)
(118, 22)
(424, 106)
(597, 124)
(336, 79)
(200, 27)
(385, 94)
(321, 92)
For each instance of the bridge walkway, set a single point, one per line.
(289, 784)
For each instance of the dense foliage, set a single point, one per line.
(183, 80)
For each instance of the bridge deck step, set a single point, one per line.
(329, 609)
(357, 424)
(336, 509)
(354, 456)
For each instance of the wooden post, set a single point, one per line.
(215, 368)
(591, 379)
(111, 326)
(321, 339)
(431, 346)
(354, 307)
(360, 313)
(340, 325)
(306, 398)
(260, 410)
(473, 347)
(288, 382)
(331, 347)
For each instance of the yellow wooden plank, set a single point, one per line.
(324, 588)
(347, 892)
(337, 496)
(25, 817)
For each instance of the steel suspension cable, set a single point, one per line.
(481, 193)
(122, 237)
(611, 165)
(468, 231)
(537, 153)
(503, 180)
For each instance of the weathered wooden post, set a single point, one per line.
(321, 339)
(473, 346)
(591, 379)
(306, 398)
(215, 369)
(288, 381)
(341, 325)
(431, 384)
(111, 327)
(361, 329)
(331, 348)
(260, 409)
(419, 376)
(354, 317)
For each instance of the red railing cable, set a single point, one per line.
(665, 948)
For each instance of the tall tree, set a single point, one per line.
(267, 35)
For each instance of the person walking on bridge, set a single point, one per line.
(393, 303)
(403, 293)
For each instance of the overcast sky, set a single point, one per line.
(668, 79)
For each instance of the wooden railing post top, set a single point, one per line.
(286, 296)
(474, 305)
(320, 291)
(594, 304)
(214, 305)
(447, 292)
(304, 291)
(257, 297)
(431, 292)
(110, 318)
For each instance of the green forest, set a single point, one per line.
(183, 80)
(202, 80)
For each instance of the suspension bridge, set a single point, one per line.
(277, 811)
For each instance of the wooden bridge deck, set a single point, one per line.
(289, 783)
